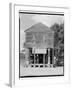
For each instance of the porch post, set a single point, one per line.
(34, 56)
(43, 59)
(49, 56)
(53, 56)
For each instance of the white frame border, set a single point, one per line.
(14, 52)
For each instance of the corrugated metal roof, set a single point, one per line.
(39, 27)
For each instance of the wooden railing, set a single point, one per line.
(39, 65)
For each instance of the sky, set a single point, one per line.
(27, 20)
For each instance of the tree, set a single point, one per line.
(58, 40)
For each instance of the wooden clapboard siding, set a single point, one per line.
(39, 38)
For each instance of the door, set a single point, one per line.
(40, 58)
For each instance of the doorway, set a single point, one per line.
(40, 58)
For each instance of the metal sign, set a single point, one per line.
(39, 51)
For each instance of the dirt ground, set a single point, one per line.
(29, 71)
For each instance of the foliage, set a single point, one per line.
(59, 40)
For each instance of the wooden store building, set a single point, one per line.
(39, 44)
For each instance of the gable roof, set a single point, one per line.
(39, 27)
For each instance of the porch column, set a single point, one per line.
(37, 59)
(49, 56)
(52, 56)
(34, 56)
(44, 59)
